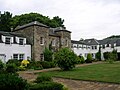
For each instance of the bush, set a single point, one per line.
(47, 86)
(46, 64)
(98, 56)
(43, 78)
(35, 65)
(15, 61)
(66, 59)
(11, 68)
(89, 58)
(82, 60)
(12, 82)
(48, 55)
(1, 66)
(106, 55)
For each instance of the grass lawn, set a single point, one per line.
(99, 72)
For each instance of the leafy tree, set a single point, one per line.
(5, 20)
(48, 55)
(114, 52)
(27, 18)
(98, 54)
(66, 59)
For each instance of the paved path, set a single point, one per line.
(72, 84)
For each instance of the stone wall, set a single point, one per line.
(33, 34)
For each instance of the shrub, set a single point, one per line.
(1, 66)
(48, 55)
(89, 58)
(12, 82)
(66, 59)
(11, 68)
(46, 64)
(106, 55)
(25, 63)
(98, 56)
(35, 65)
(43, 78)
(82, 60)
(15, 61)
(47, 86)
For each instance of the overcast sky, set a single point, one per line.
(85, 18)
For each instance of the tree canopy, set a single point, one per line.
(7, 21)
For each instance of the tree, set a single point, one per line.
(27, 18)
(98, 54)
(48, 55)
(66, 59)
(5, 20)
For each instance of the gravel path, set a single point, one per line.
(72, 84)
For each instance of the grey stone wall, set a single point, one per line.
(33, 34)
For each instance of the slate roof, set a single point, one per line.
(98, 42)
(31, 24)
(12, 34)
(91, 42)
(77, 42)
(111, 41)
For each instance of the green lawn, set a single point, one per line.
(100, 72)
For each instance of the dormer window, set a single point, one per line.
(7, 40)
(21, 41)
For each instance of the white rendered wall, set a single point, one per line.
(11, 49)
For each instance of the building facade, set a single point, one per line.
(13, 46)
(41, 36)
(92, 46)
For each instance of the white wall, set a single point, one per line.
(11, 49)
(84, 51)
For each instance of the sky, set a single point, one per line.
(84, 18)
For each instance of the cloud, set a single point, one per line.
(85, 18)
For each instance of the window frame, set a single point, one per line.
(41, 40)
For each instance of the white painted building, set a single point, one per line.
(92, 46)
(13, 46)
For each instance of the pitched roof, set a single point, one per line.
(31, 24)
(110, 41)
(91, 42)
(12, 34)
(77, 42)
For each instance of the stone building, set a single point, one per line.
(41, 36)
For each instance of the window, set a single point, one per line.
(92, 47)
(103, 46)
(7, 40)
(66, 42)
(15, 56)
(95, 47)
(41, 40)
(107, 45)
(53, 42)
(41, 57)
(21, 41)
(21, 56)
(18, 56)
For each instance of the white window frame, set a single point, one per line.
(19, 57)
